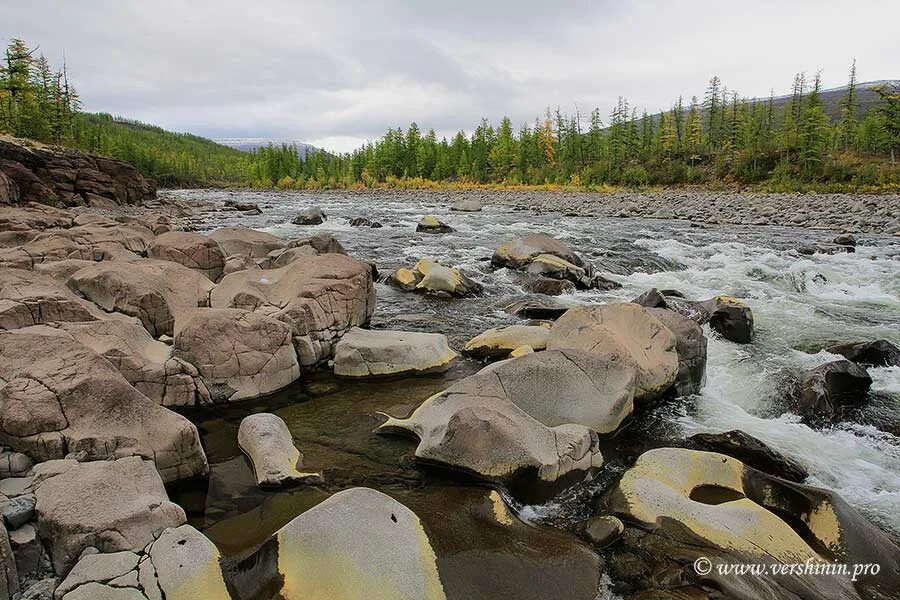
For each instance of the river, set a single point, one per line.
(800, 304)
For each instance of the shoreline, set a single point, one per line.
(852, 213)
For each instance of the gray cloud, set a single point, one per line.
(338, 73)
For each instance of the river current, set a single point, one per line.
(800, 304)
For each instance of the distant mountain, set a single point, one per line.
(831, 98)
(250, 144)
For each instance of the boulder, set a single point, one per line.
(323, 243)
(880, 353)
(62, 397)
(628, 332)
(498, 343)
(154, 291)
(98, 568)
(466, 205)
(109, 505)
(9, 576)
(17, 511)
(545, 310)
(359, 543)
(193, 250)
(731, 318)
(267, 442)
(246, 242)
(530, 416)
(238, 354)
(681, 505)
(146, 363)
(431, 224)
(321, 298)
(14, 464)
(186, 566)
(433, 278)
(31, 558)
(602, 530)
(285, 256)
(60, 270)
(753, 453)
(519, 253)
(9, 193)
(107, 240)
(310, 216)
(547, 286)
(363, 222)
(690, 344)
(652, 298)
(827, 389)
(239, 262)
(378, 353)
(248, 208)
(45, 248)
(28, 298)
(844, 239)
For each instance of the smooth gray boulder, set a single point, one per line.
(111, 505)
(628, 332)
(691, 346)
(28, 298)
(431, 277)
(267, 442)
(431, 224)
(500, 342)
(378, 353)
(520, 252)
(530, 416)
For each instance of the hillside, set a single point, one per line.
(831, 98)
(173, 159)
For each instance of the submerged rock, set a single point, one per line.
(828, 388)
(320, 298)
(548, 286)
(753, 453)
(630, 334)
(310, 216)
(544, 310)
(109, 505)
(244, 207)
(732, 319)
(375, 353)
(531, 416)
(880, 353)
(844, 239)
(602, 530)
(364, 222)
(499, 343)
(267, 442)
(238, 354)
(431, 224)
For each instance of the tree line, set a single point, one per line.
(719, 138)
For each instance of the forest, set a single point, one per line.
(720, 139)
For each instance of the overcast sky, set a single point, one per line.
(337, 73)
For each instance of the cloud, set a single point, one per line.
(338, 73)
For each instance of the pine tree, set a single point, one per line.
(849, 108)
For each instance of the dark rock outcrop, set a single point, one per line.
(880, 353)
(33, 172)
(753, 453)
(828, 388)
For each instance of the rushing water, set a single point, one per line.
(800, 304)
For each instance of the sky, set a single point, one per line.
(338, 73)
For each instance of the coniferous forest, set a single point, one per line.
(719, 138)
